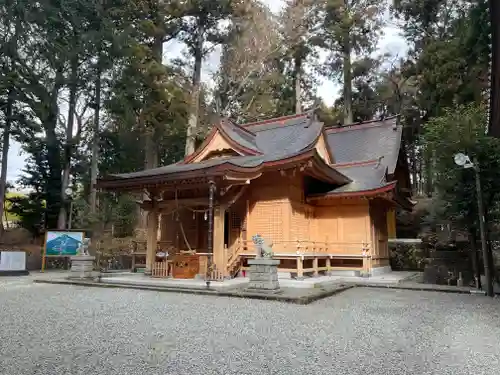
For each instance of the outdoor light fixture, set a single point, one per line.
(464, 161)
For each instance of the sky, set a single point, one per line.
(391, 42)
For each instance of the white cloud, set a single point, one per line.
(328, 90)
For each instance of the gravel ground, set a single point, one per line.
(53, 330)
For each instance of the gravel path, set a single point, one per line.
(53, 330)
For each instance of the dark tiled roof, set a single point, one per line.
(365, 176)
(240, 135)
(284, 139)
(371, 140)
(365, 153)
(274, 141)
(243, 161)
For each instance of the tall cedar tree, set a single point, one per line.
(200, 25)
(248, 76)
(351, 28)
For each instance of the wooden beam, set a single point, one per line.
(210, 240)
(151, 241)
(147, 205)
(391, 223)
(219, 256)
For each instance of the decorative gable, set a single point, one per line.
(217, 146)
(225, 139)
(323, 151)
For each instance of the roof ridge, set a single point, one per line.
(238, 126)
(355, 163)
(359, 125)
(276, 119)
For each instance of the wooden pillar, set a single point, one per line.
(151, 240)
(391, 223)
(300, 268)
(219, 257)
(210, 237)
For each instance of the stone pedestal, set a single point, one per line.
(82, 266)
(263, 275)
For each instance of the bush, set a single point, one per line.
(407, 257)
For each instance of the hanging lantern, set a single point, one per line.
(205, 216)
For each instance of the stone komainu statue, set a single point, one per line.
(263, 249)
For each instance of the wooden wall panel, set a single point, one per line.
(347, 224)
(269, 208)
(302, 223)
(378, 214)
(266, 219)
(167, 228)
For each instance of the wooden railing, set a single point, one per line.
(160, 269)
(313, 247)
(215, 274)
(233, 258)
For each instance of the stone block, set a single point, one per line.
(82, 267)
(263, 274)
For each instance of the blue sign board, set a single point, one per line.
(60, 243)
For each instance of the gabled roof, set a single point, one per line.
(364, 153)
(239, 135)
(268, 145)
(367, 175)
(379, 139)
(241, 140)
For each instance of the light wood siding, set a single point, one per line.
(269, 208)
(378, 214)
(345, 223)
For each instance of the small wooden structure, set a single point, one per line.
(325, 198)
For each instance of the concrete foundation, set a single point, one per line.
(344, 273)
(376, 271)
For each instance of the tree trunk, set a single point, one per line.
(414, 173)
(476, 259)
(12, 51)
(297, 76)
(150, 148)
(5, 154)
(68, 148)
(192, 128)
(95, 141)
(53, 155)
(428, 176)
(347, 73)
(494, 125)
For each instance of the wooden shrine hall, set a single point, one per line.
(324, 198)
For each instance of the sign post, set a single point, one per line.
(61, 243)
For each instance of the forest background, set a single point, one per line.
(88, 88)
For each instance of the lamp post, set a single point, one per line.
(464, 161)
(68, 192)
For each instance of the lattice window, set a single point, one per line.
(300, 224)
(235, 220)
(269, 220)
